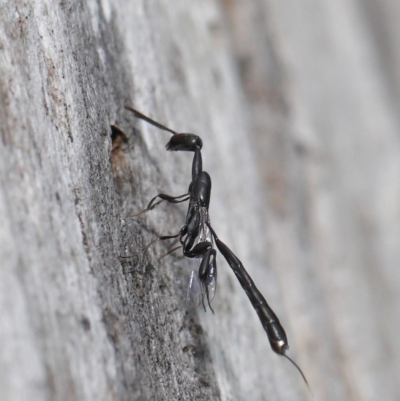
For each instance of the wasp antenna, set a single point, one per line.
(149, 120)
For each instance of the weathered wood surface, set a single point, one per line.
(297, 103)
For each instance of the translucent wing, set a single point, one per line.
(205, 232)
(195, 290)
(202, 290)
(209, 284)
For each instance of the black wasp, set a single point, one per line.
(198, 227)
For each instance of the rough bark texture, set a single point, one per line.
(297, 103)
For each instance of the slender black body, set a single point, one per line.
(269, 320)
(272, 326)
(197, 222)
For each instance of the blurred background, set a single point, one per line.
(322, 79)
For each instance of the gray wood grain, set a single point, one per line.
(297, 104)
